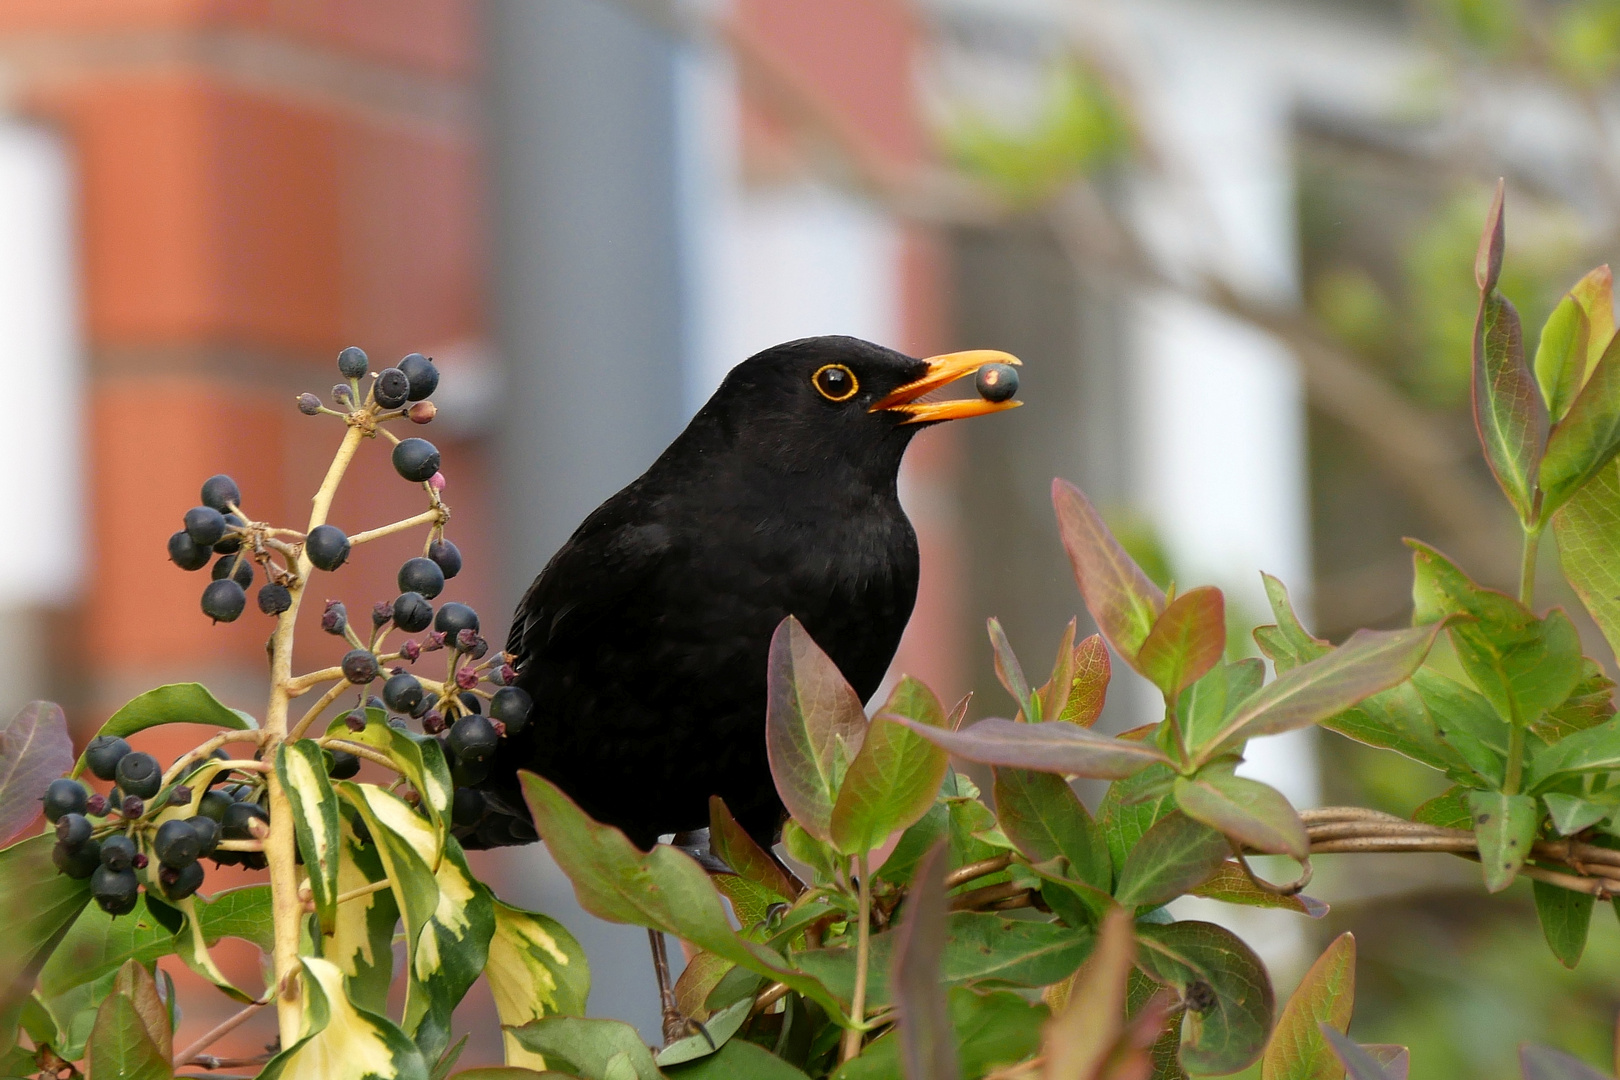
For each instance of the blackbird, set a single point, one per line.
(643, 642)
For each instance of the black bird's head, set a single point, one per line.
(839, 396)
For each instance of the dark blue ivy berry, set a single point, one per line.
(447, 555)
(416, 459)
(223, 600)
(235, 567)
(412, 612)
(353, 363)
(454, 618)
(186, 553)
(140, 774)
(274, 598)
(64, 797)
(103, 754)
(423, 576)
(220, 492)
(327, 547)
(205, 525)
(423, 376)
(392, 389)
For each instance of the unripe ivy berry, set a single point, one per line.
(447, 555)
(410, 650)
(77, 863)
(180, 795)
(230, 544)
(186, 553)
(180, 883)
(356, 720)
(392, 388)
(96, 806)
(475, 649)
(221, 492)
(345, 766)
(433, 723)
(359, 666)
(274, 598)
(416, 459)
(342, 396)
(309, 404)
(140, 861)
(423, 376)
(64, 796)
(353, 363)
(510, 705)
(223, 601)
(381, 613)
(134, 806)
(73, 830)
(118, 852)
(412, 613)
(116, 891)
(454, 618)
(402, 692)
(103, 754)
(421, 575)
(235, 567)
(473, 739)
(175, 844)
(140, 774)
(433, 642)
(466, 678)
(327, 547)
(205, 525)
(335, 619)
(422, 412)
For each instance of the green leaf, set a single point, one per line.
(98, 945)
(360, 941)
(1231, 1032)
(1570, 813)
(990, 1031)
(1287, 644)
(895, 775)
(732, 844)
(1326, 995)
(919, 994)
(1231, 885)
(301, 767)
(1131, 807)
(1055, 748)
(1173, 857)
(586, 1048)
(1187, 639)
(1248, 811)
(1371, 661)
(1597, 749)
(43, 905)
(737, 1060)
(1586, 439)
(1541, 1063)
(1509, 413)
(1466, 728)
(536, 969)
(1088, 688)
(717, 1032)
(814, 726)
(662, 889)
(176, 703)
(1588, 705)
(980, 948)
(1009, 672)
(1210, 700)
(1399, 719)
(1560, 363)
(1565, 917)
(914, 843)
(1588, 533)
(1123, 602)
(1449, 810)
(503, 1072)
(340, 1039)
(34, 750)
(1044, 819)
(131, 1038)
(1505, 826)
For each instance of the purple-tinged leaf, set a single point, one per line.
(737, 849)
(1371, 661)
(895, 776)
(1509, 413)
(1054, 696)
(1044, 819)
(34, 750)
(1092, 671)
(1009, 672)
(1122, 600)
(1227, 991)
(1187, 639)
(1287, 644)
(1326, 995)
(1394, 1059)
(1505, 827)
(1231, 885)
(814, 725)
(1056, 748)
(41, 906)
(1359, 1064)
(131, 1039)
(1080, 1039)
(1174, 857)
(927, 1048)
(1544, 1063)
(1247, 811)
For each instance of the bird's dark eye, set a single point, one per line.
(835, 382)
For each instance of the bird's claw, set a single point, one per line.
(678, 1026)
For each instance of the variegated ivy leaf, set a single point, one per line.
(420, 757)
(339, 1039)
(302, 769)
(360, 942)
(535, 969)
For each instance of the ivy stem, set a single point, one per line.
(280, 846)
(863, 957)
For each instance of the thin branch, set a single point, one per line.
(219, 1031)
(424, 518)
(364, 890)
(990, 894)
(316, 709)
(983, 868)
(361, 751)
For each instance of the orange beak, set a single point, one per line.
(941, 371)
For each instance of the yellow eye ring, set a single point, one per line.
(835, 382)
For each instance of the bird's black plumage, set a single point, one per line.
(643, 643)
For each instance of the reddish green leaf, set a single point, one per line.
(814, 725)
(1359, 1063)
(131, 1038)
(1009, 672)
(1231, 885)
(1595, 294)
(924, 1023)
(1586, 439)
(1056, 748)
(1326, 995)
(1560, 363)
(1187, 639)
(1505, 827)
(1287, 644)
(1248, 811)
(1371, 661)
(1230, 1031)
(1122, 600)
(1565, 918)
(737, 849)
(1541, 1063)
(34, 750)
(1509, 413)
(1395, 1060)
(1044, 819)
(1174, 857)
(895, 776)
(1079, 1040)
(1054, 696)
(1089, 690)
(1588, 532)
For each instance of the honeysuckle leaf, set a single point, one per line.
(1245, 810)
(1586, 439)
(981, 949)
(1570, 814)
(1172, 858)
(1056, 748)
(589, 1049)
(1588, 705)
(302, 769)
(1009, 672)
(419, 757)
(1565, 918)
(1287, 644)
(1122, 600)
(814, 725)
(1560, 363)
(341, 1039)
(360, 941)
(1204, 708)
(1186, 640)
(1131, 807)
(1597, 749)
(1080, 1038)
(663, 889)
(1509, 413)
(1088, 690)
(1542, 1063)
(1231, 885)
(1587, 528)
(1505, 826)
(1359, 1062)
(535, 969)
(732, 844)
(131, 1038)
(1229, 995)
(716, 1034)
(988, 1030)
(1326, 995)
(737, 1058)
(34, 750)
(919, 994)
(914, 843)
(895, 775)
(1044, 819)
(42, 906)
(1053, 697)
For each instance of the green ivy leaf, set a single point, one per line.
(176, 703)
(895, 775)
(34, 750)
(738, 1058)
(131, 1038)
(1173, 857)
(814, 726)
(1565, 918)
(1247, 811)
(1326, 995)
(340, 1039)
(1505, 826)
(1122, 600)
(360, 941)
(1044, 819)
(419, 757)
(1187, 639)
(43, 905)
(1231, 1032)
(301, 767)
(589, 1048)
(536, 969)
